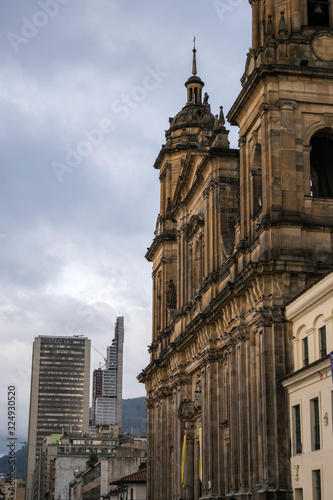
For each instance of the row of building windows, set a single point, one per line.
(104, 442)
(66, 449)
(62, 378)
(62, 361)
(50, 399)
(61, 340)
(47, 379)
(62, 350)
(69, 355)
(60, 390)
(66, 420)
(73, 384)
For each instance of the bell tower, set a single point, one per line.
(285, 116)
(289, 19)
(239, 234)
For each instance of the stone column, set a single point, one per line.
(254, 412)
(155, 301)
(255, 24)
(296, 16)
(233, 422)
(244, 187)
(164, 447)
(216, 247)
(197, 482)
(150, 452)
(288, 156)
(210, 232)
(162, 195)
(189, 461)
(243, 417)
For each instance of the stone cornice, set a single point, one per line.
(272, 70)
(167, 235)
(307, 372)
(318, 291)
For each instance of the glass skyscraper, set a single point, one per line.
(107, 383)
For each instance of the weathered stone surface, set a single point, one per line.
(250, 230)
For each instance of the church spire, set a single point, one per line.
(194, 63)
(194, 84)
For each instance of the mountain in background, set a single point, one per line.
(20, 463)
(134, 422)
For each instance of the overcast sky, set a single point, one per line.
(86, 91)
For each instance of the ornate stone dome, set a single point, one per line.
(193, 115)
(196, 112)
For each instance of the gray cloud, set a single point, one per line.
(72, 250)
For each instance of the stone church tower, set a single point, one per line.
(239, 234)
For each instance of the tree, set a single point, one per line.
(93, 459)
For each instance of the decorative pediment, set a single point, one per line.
(196, 222)
(189, 176)
(186, 409)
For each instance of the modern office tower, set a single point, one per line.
(59, 398)
(107, 383)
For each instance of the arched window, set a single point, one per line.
(321, 163)
(318, 13)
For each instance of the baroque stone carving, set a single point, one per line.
(171, 295)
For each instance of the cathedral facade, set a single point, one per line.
(239, 234)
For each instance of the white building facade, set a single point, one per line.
(310, 392)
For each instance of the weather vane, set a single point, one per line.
(194, 43)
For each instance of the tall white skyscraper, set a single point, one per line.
(108, 382)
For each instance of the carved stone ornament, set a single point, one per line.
(322, 47)
(283, 30)
(186, 408)
(264, 107)
(242, 141)
(171, 295)
(325, 418)
(250, 63)
(286, 104)
(270, 27)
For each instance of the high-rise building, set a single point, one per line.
(239, 234)
(107, 383)
(59, 398)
